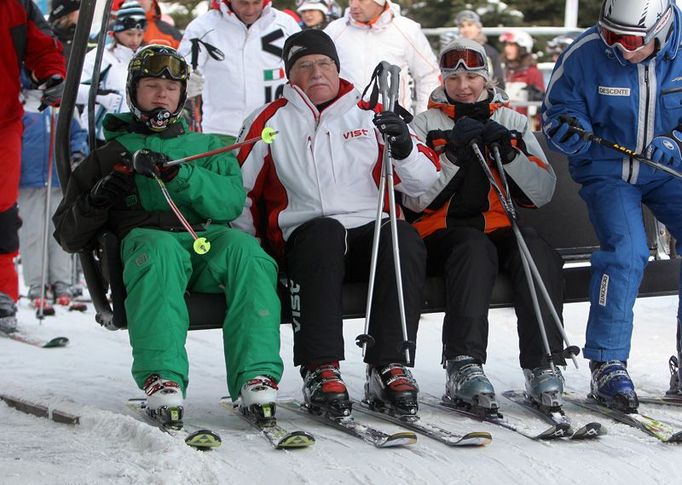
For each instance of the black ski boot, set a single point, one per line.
(391, 388)
(324, 391)
(674, 366)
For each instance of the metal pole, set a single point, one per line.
(40, 314)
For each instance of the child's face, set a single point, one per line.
(131, 38)
(153, 93)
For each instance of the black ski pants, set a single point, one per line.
(469, 261)
(320, 256)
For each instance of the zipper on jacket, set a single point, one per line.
(647, 101)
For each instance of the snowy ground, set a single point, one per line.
(91, 378)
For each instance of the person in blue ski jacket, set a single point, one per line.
(35, 153)
(622, 80)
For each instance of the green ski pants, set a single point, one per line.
(159, 266)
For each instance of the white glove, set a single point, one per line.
(110, 102)
(195, 84)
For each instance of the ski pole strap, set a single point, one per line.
(211, 50)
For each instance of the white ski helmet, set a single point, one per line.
(633, 19)
(519, 37)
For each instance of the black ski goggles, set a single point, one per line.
(129, 23)
(469, 59)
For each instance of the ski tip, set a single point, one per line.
(675, 438)
(203, 440)
(401, 438)
(589, 431)
(475, 438)
(56, 342)
(296, 439)
(554, 432)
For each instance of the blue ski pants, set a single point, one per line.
(615, 209)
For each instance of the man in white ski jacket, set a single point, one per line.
(312, 197)
(250, 34)
(372, 31)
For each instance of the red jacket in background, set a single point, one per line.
(24, 36)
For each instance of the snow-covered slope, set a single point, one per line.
(91, 378)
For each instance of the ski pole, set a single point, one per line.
(389, 94)
(587, 135)
(40, 312)
(267, 135)
(533, 276)
(201, 244)
(571, 350)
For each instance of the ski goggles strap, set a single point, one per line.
(470, 59)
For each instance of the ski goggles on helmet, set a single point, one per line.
(468, 59)
(164, 66)
(632, 39)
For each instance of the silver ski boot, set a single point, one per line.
(544, 387)
(467, 385)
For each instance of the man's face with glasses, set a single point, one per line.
(317, 76)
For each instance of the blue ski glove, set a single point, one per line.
(666, 149)
(563, 138)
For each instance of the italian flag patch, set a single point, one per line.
(273, 74)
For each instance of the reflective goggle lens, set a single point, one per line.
(469, 58)
(628, 42)
(174, 67)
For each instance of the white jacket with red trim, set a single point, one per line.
(320, 165)
(392, 38)
(252, 72)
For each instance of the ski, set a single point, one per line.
(279, 437)
(517, 425)
(415, 423)
(666, 399)
(56, 342)
(652, 426)
(200, 439)
(588, 431)
(349, 425)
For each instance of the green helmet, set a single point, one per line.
(160, 62)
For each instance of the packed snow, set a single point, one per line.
(91, 378)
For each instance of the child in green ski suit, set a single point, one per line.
(109, 190)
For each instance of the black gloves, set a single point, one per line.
(398, 133)
(496, 134)
(109, 189)
(147, 162)
(52, 94)
(465, 131)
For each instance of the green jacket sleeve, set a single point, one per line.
(212, 186)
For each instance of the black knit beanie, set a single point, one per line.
(308, 42)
